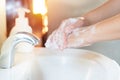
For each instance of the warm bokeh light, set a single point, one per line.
(45, 24)
(39, 7)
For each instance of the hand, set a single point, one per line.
(58, 39)
(81, 37)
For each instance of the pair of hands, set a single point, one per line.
(71, 33)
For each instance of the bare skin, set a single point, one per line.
(107, 10)
(108, 29)
(105, 19)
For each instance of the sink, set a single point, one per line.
(21, 69)
(70, 64)
(76, 64)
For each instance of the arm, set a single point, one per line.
(108, 9)
(108, 29)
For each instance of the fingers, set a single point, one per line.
(73, 24)
(75, 40)
(50, 41)
(81, 37)
(59, 38)
(78, 43)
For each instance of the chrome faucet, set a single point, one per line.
(7, 50)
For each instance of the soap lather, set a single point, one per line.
(22, 25)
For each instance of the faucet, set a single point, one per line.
(7, 50)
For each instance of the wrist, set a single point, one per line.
(91, 34)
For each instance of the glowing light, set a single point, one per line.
(39, 7)
(45, 24)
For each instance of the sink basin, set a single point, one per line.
(75, 64)
(70, 64)
(21, 69)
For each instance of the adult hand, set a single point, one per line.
(58, 39)
(81, 37)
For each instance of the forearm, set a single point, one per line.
(110, 8)
(108, 29)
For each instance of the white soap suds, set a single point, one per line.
(59, 38)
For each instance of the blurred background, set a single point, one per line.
(57, 10)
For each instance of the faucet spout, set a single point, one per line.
(7, 50)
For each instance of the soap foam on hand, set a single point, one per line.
(81, 37)
(55, 40)
(70, 35)
(58, 39)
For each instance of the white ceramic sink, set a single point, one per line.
(70, 64)
(76, 64)
(21, 70)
